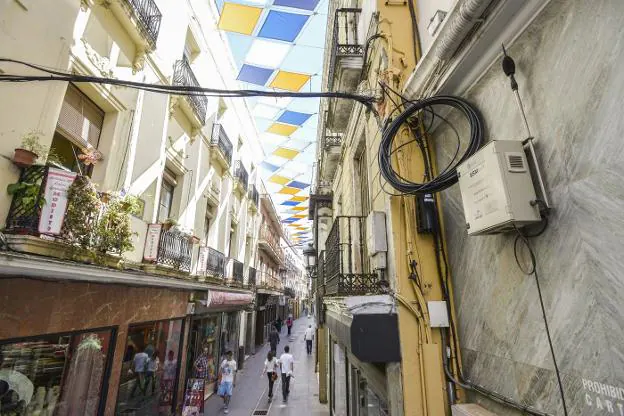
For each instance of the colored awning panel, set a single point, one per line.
(278, 45)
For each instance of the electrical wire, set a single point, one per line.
(520, 237)
(446, 178)
(56, 75)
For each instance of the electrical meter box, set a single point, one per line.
(497, 189)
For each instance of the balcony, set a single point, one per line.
(251, 277)
(254, 198)
(241, 177)
(345, 64)
(343, 266)
(141, 19)
(269, 283)
(195, 106)
(235, 205)
(221, 146)
(331, 152)
(235, 273)
(214, 190)
(38, 223)
(270, 244)
(174, 250)
(214, 262)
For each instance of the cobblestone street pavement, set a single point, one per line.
(250, 395)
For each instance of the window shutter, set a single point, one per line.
(80, 119)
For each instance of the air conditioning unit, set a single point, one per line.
(497, 190)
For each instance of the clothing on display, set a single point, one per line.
(53, 374)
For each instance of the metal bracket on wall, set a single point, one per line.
(396, 2)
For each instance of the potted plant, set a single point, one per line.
(30, 150)
(168, 223)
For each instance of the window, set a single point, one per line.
(207, 225)
(221, 109)
(78, 131)
(61, 373)
(166, 195)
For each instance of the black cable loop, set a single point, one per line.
(449, 176)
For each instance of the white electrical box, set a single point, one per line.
(376, 241)
(438, 314)
(497, 189)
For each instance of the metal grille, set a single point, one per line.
(251, 279)
(80, 119)
(345, 268)
(333, 139)
(345, 39)
(24, 214)
(215, 263)
(183, 75)
(237, 271)
(254, 195)
(174, 249)
(260, 412)
(148, 17)
(241, 174)
(220, 139)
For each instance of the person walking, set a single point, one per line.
(271, 366)
(139, 365)
(150, 376)
(287, 365)
(278, 324)
(289, 324)
(308, 336)
(274, 339)
(227, 372)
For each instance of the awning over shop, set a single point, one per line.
(217, 299)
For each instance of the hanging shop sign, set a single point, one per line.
(282, 300)
(55, 195)
(216, 298)
(150, 253)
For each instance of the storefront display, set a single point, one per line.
(60, 374)
(150, 368)
(203, 351)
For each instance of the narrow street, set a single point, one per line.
(250, 394)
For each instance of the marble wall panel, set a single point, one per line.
(569, 68)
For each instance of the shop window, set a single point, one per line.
(203, 352)
(149, 374)
(166, 195)
(59, 374)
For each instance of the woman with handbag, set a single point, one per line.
(271, 365)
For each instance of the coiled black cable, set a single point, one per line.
(448, 176)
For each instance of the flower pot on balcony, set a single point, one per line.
(24, 158)
(193, 239)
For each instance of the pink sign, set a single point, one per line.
(55, 194)
(216, 298)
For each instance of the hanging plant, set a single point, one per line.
(113, 231)
(83, 206)
(90, 156)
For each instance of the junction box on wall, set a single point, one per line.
(496, 188)
(376, 240)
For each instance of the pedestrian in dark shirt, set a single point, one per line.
(274, 339)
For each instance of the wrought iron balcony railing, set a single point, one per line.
(240, 174)
(269, 239)
(254, 196)
(344, 265)
(183, 75)
(269, 281)
(345, 39)
(237, 269)
(215, 263)
(25, 211)
(251, 277)
(222, 142)
(148, 18)
(332, 139)
(174, 249)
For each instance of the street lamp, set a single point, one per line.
(310, 256)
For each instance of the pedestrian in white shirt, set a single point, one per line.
(309, 337)
(287, 364)
(271, 367)
(228, 373)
